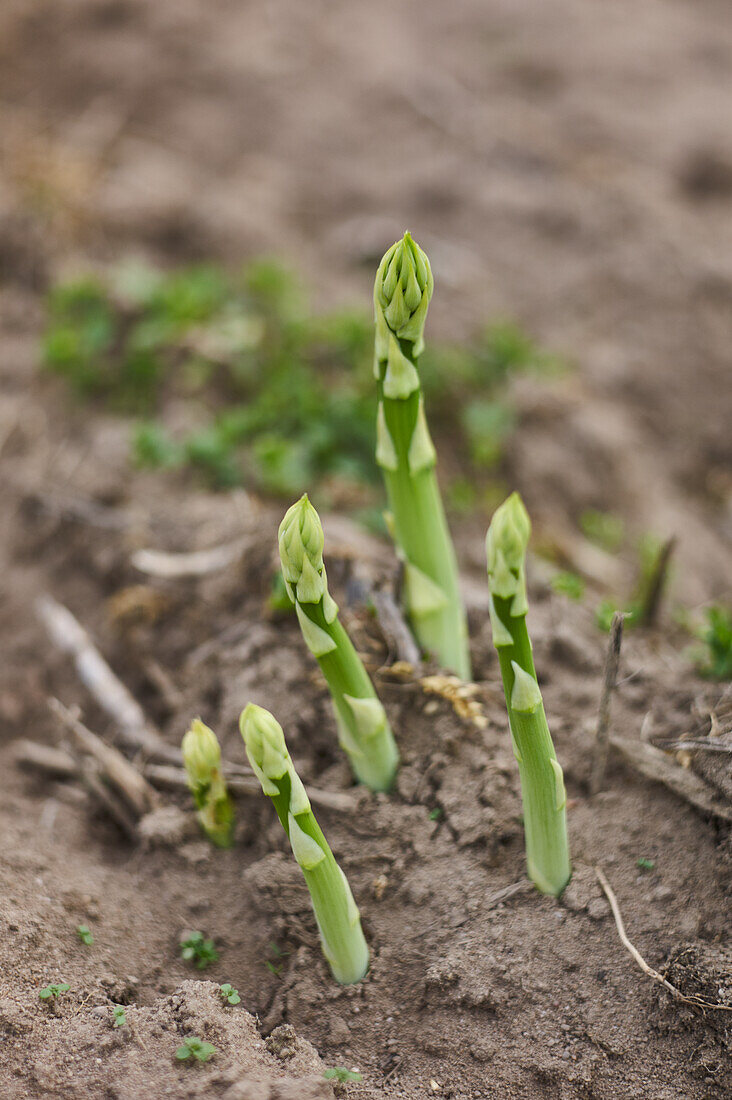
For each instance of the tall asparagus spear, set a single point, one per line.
(407, 457)
(336, 913)
(542, 782)
(202, 760)
(363, 728)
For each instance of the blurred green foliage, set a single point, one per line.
(268, 395)
(649, 549)
(602, 528)
(569, 584)
(714, 656)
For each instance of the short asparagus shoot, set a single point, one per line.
(336, 913)
(407, 457)
(363, 728)
(542, 781)
(202, 760)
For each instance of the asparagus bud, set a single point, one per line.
(202, 761)
(336, 913)
(407, 457)
(542, 781)
(363, 728)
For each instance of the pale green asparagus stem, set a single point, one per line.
(407, 458)
(363, 729)
(336, 913)
(542, 782)
(202, 760)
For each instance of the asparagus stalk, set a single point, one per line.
(542, 781)
(202, 761)
(407, 458)
(336, 913)
(363, 729)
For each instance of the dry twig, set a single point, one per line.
(66, 632)
(196, 563)
(656, 766)
(612, 662)
(694, 1001)
(116, 768)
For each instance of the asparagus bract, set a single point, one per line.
(336, 913)
(407, 458)
(542, 781)
(363, 729)
(202, 761)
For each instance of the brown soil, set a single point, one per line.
(565, 164)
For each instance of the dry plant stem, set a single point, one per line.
(394, 628)
(655, 765)
(696, 1002)
(407, 458)
(62, 765)
(656, 584)
(612, 662)
(116, 768)
(91, 777)
(67, 633)
(55, 762)
(197, 563)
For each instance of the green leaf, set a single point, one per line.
(340, 1073)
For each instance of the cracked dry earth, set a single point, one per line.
(479, 986)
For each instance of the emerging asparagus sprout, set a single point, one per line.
(363, 729)
(542, 782)
(202, 760)
(407, 458)
(336, 913)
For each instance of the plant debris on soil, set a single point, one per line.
(544, 194)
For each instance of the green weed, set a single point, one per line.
(195, 1048)
(198, 950)
(273, 397)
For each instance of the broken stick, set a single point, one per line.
(67, 633)
(612, 663)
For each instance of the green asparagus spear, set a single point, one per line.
(542, 782)
(363, 729)
(336, 913)
(407, 458)
(202, 760)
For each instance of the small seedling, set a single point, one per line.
(436, 814)
(229, 994)
(568, 584)
(119, 1016)
(195, 1048)
(51, 992)
(276, 968)
(342, 1075)
(602, 528)
(336, 912)
(645, 864)
(197, 949)
(84, 933)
